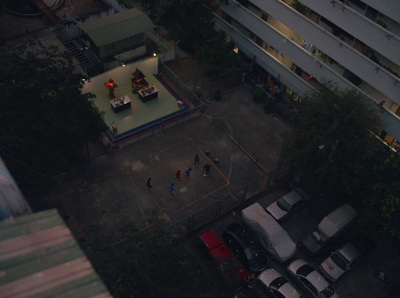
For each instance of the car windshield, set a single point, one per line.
(283, 204)
(305, 270)
(277, 283)
(248, 253)
(328, 292)
(340, 260)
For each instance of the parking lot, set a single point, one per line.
(361, 281)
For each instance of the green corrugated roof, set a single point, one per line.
(39, 257)
(118, 26)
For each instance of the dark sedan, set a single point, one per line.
(246, 247)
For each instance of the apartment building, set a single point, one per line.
(298, 45)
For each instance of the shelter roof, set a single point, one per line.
(117, 27)
(39, 257)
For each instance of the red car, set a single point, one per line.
(230, 269)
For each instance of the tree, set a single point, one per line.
(150, 264)
(333, 128)
(374, 185)
(45, 120)
(189, 22)
(21, 6)
(219, 52)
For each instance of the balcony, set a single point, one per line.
(264, 59)
(362, 66)
(389, 8)
(391, 122)
(365, 30)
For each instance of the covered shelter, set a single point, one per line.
(119, 37)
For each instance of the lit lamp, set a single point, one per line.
(111, 85)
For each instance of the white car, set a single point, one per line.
(272, 283)
(340, 261)
(286, 204)
(310, 280)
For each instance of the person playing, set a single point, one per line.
(149, 186)
(196, 160)
(171, 190)
(206, 169)
(178, 176)
(187, 173)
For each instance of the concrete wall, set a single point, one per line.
(12, 202)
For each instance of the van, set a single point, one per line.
(331, 226)
(270, 234)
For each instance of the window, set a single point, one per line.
(264, 17)
(358, 3)
(328, 292)
(277, 283)
(340, 260)
(305, 270)
(283, 204)
(309, 286)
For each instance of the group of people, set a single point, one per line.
(206, 171)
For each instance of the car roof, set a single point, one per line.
(336, 220)
(349, 252)
(217, 249)
(318, 281)
(315, 278)
(268, 276)
(289, 291)
(210, 240)
(293, 197)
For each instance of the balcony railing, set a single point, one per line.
(391, 122)
(361, 27)
(362, 66)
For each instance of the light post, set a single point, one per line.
(321, 147)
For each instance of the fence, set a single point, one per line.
(180, 87)
(230, 203)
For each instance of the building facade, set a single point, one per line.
(352, 43)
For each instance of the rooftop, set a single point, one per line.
(39, 256)
(117, 27)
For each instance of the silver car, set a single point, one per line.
(275, 285)
(340, 261)
(286, 204)
(313, 283)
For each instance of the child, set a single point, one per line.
(178, 176)
(187, 174)
(149, 186)
(171, 190)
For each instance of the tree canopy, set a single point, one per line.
(189, 22)
(332, 129)
(45, 120)
(373, 183)
(151, 264)
(219, 52)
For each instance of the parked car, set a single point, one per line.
(287, 204)
(340, 261)
(218, 253)
(310, 280)
(270, 234)
(331, 226)
(275, 285)
(248, 250)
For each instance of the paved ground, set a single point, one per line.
(361, 282)
(112, 187)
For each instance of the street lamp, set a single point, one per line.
(321, 147)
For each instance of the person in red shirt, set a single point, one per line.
(178, 176)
